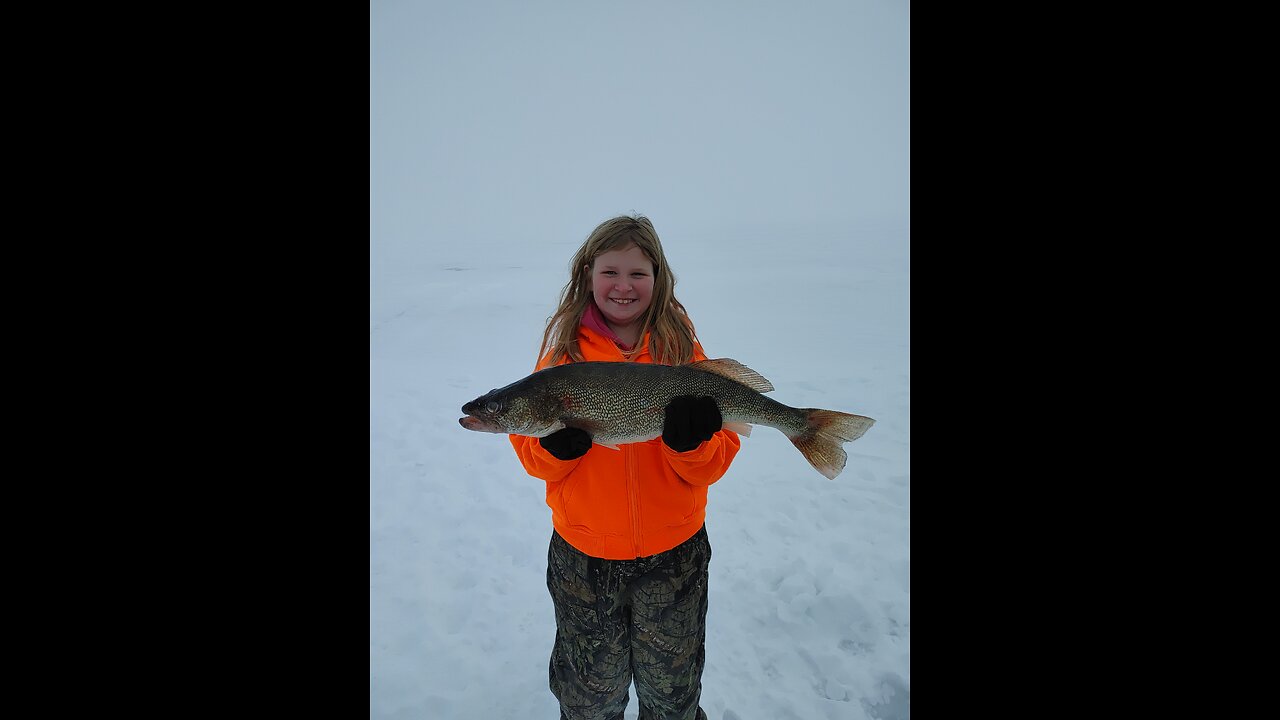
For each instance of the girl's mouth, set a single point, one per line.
(622, 301)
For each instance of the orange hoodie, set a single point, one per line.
(639, 500)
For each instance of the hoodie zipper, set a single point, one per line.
(633, 484)
(633, 490)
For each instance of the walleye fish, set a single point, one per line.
(622, 402)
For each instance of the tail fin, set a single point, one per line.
(827, 430)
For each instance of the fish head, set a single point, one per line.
(513, 410)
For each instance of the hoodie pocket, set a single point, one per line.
(686, 504)
(589, 506)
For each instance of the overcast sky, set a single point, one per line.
(496, 120)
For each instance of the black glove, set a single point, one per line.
(567, 444)
(689, 421)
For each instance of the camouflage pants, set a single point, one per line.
(619, 620)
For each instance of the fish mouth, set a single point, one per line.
(474, 423)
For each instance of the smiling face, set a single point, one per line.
(622, 286)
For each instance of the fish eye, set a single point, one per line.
(491, 407)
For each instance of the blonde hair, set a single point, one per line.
(672, 336)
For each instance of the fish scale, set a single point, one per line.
(632, 411)
(621, 402)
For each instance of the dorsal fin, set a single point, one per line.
(736, 372)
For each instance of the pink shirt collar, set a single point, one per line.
(594, 319)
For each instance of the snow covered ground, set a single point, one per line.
(810, 582)
(793, 260)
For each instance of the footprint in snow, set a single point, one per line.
(853, 647)
(893, 701)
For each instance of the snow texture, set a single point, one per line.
(768, 143)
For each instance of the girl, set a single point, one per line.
(627, 566)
